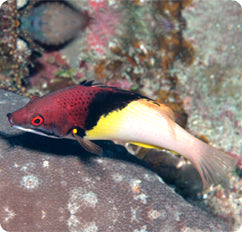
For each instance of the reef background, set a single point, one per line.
(211, 86)
(213, 95)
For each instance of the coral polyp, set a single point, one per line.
(104, 26)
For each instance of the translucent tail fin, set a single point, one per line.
(213, 165)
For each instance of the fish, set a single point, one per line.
(90, 111)
(53, 23)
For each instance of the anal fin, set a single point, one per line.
(145, 145)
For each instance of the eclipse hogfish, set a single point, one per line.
(95, 112)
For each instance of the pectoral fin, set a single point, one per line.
(88, 145)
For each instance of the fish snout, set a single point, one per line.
(10, 119)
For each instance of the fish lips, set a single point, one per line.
(37, 131)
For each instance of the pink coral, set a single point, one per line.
(104, 25)
(48, 65)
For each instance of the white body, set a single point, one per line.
(151, 125)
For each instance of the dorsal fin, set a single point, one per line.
(33, 98)
(88, 83)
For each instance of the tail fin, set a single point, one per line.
(213, 165)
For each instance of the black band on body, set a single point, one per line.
(106, 101)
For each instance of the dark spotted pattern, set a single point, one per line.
(76, 101)
(87, 102)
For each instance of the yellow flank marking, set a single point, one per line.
(120, 124)
(107, 126)
(74, 131)
(114, 124)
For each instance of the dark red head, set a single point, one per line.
(55, 114)
(41, 116)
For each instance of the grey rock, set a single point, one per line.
(54, 185)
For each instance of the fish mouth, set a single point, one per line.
(38, 132)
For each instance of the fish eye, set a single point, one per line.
(37, 120)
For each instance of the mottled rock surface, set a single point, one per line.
(54, 185)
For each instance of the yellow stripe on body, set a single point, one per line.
(131, 123)
(107, 126)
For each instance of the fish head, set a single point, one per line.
(42, 116)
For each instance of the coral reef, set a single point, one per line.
(211, 89)
(48, 23)
(226, 205)
(142, 50)
(134, 41)
(51, 72)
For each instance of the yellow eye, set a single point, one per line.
(37, 120)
